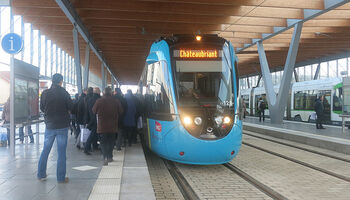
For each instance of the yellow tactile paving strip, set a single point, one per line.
(107, 186)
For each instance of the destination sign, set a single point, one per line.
(198, 53)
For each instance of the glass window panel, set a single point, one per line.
(26, 47)
(301, 73)
(332, 68)
(323, 70)
(342, 66)
(42, 55)
(49, 59)
(35, 49)
(308, 73)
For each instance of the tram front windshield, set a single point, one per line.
(204, 84)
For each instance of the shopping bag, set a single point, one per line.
(313, 116)
(85, 133)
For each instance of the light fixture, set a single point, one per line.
(198, 37)
(187, 120)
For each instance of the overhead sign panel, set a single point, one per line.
(197, 53)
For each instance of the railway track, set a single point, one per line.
(297, 147)
(262, 187)
(209, 182)
(306, 164)
(185, 188)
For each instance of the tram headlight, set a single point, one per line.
(187, 120)
(198, 121)
(227, 120)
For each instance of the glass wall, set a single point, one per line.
(39, 51)
(331, 69)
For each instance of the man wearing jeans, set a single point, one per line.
(56, 104)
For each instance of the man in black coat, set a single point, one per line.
(92, 122)
(319, 112)
(56, 105)
(121, 134)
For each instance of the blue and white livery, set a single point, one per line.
(189, 92)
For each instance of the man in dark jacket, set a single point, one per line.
(92, 122)
(319, 112)
(108, 110)
(121, 133)
(74, 125)
(81, 110)
(56, 104)
(130, 117)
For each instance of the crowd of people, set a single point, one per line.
(110, 121)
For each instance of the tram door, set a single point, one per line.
(327, 105)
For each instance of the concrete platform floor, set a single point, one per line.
(18, 175)
(330, 131)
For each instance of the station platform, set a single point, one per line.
(331, 138)
(127, 177)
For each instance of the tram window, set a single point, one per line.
(305, 100)
(337, 100)
(299, 103)
(158, 95)
(310, 100)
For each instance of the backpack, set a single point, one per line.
(262, 105)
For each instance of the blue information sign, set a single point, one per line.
(12, 43)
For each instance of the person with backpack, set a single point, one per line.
(261, 107)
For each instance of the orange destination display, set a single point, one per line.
(198, 53)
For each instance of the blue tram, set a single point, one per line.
(189, 92)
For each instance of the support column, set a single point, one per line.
(258, 82)
(51, 57)
(87, 63)
(65, 70)
(23, 37)
(103, 77)
(266, 74)
(277, 103)
(39, 51)
(31, 45)
(317, 72)
(45, 60)
(77, 60)
(56, 59)
(296, 75)
(112, 82)
(12, 95)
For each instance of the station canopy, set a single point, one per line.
(124, 30)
